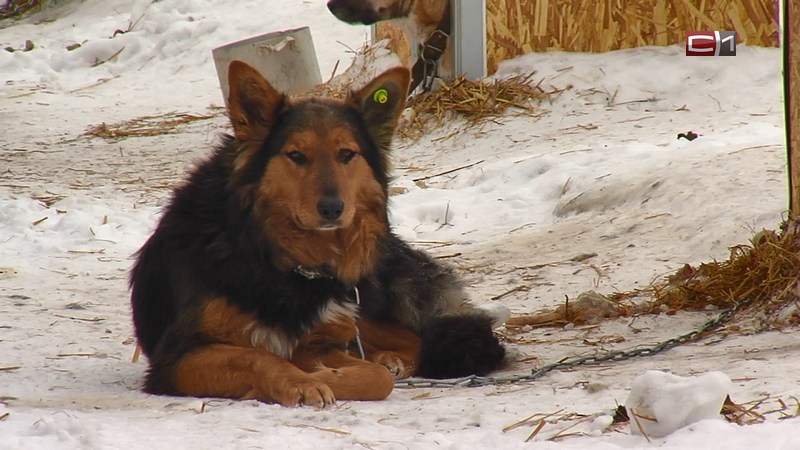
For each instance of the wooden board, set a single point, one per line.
(791, 65)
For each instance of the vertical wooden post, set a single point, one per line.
(791, 74)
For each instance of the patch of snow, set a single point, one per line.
(661, 403)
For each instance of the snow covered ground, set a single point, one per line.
(601, 173)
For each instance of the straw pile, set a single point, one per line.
(763, 276)
(764, 273)
(476, 101)
(18, 8)
(517, 27)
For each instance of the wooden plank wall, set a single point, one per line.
(791, 65)
(517, 27)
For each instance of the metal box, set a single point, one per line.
(286, 58)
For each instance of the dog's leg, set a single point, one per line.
(393, 346)
(220, 370)
(349, 378)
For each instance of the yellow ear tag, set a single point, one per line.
(381, 96)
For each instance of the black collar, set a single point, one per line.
(312, 274)
(430, 52)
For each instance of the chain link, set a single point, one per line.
(619, 355)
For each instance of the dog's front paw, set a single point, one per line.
(303, 392)
(398, 366)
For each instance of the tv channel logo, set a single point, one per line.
(710, 43)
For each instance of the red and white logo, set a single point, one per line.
(710, 43)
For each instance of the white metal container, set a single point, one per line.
(286, 58)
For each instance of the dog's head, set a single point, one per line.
(369, 11)
(314, 164)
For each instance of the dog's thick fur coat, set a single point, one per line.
(248, 286)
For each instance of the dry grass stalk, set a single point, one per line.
(153, 125)
(535, 431)
(639, 427)
(516, 28)
(477, 101)
(563, 433)
(137, 353)
(530, 420)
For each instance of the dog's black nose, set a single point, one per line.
(330, 207)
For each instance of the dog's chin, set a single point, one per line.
(328, 227)
(322, 226)
(354, 17)
(358, 20)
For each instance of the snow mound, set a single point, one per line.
(661, 403)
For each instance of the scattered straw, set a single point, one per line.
(477, 101)
(765, 272)
(745, 414)
(755, 412)
(532, 419)
(153, 125)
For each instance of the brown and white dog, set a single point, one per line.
(419, 19)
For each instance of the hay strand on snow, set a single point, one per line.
(152, 125)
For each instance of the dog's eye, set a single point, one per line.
(297, 157)
(346, 155)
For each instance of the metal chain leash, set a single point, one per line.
(619, 355)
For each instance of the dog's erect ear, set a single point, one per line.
(381, 101)
(252, 102)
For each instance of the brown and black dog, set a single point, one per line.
(273, 273)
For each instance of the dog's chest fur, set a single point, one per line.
(282, 344)
(223, 320)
